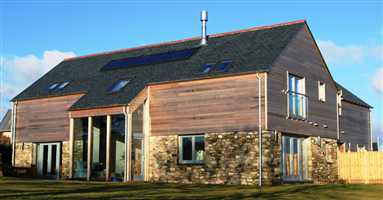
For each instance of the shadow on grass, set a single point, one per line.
(32, 189)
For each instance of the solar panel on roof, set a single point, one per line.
(149, 59)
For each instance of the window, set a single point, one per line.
(117, 86)
(63, 85)
(322, 91)
(222, 66)
(192, 149)
(53, 86)
(58, 86)
(207, 68)
(297, 100)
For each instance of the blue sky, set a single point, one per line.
(35, 35)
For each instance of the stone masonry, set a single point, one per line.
(323, 154)
(230, 158)
(24, 152)
(25, 155)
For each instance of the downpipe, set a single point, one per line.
(259, 130)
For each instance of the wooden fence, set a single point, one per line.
(360, 167)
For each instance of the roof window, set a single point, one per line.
(117, 86)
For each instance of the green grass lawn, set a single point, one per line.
(11, 188)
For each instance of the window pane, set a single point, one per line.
(80, 147)
(98, 148)
(187, 148)
(117, 147)
(118, 85)
(199, 147)
(291, 83)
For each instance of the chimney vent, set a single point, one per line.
(204, 21)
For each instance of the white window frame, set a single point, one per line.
(301, 93)
(180, 150)
(321, 91)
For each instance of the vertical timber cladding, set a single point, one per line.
(302, 58)
(209, 105)
(44, 120)
(354, 125)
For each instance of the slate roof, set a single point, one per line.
(250, 50)
(5, 123)
(352, 98)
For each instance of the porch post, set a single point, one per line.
(71, 141)
(89, 159)
(126, 142)
(129, 147)
(108, 137)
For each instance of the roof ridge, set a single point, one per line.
(216, 35)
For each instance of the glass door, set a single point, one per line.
(292, 159)
(48, 160)
(138, 157)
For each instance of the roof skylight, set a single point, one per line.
(117, 86)
(222, 66)
(63, 85)
(53, 86)
(58, 86)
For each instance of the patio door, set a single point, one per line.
(48, 160)
(138, 157)
(292, 166)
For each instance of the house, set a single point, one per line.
(258, 102)
(5, 128)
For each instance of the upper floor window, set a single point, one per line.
(297, 99)
(117, 86)
(58, 86)
(321, 91)
(191, 149)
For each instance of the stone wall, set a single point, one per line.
(65, 157)
(23, 155)
(230, 158)
(323, 157)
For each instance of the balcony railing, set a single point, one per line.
(297, 105)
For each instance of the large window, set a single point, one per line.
(117, 147)
(80, 148)
(297, 100)
(138, 150)
(191, 149)
(98, 148)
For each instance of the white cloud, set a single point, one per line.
(348, 54)
(30, 67)
(377, 81)
(19, 72)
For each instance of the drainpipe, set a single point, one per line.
(259, 130)
(13, 129)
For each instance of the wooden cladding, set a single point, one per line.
(97, 112)
(354, 125)
(44, 120)
(209, 105)
(302, 58)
